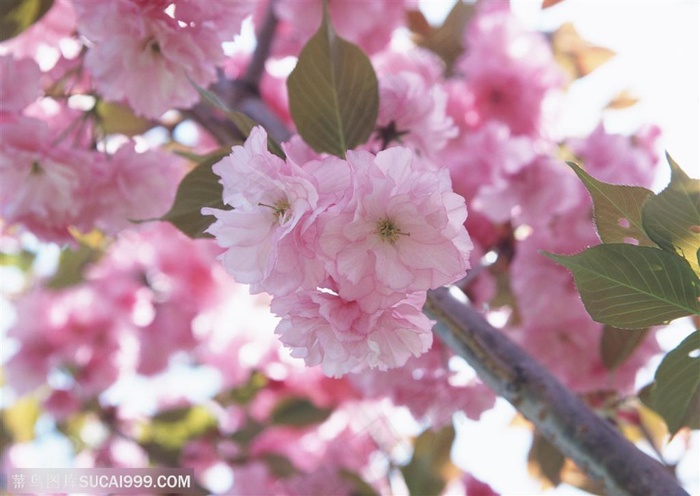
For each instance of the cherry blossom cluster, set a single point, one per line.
(167, 43)
(136, 307)
(524, 199)
(51, 188)
(347, 248)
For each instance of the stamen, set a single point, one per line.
(389, 231)
(279, 209)
(152, 45)
(36, 168)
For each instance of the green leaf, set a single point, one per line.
(115, 118)
(333, 93)
(676, 388)
(298, 412)
(171, 429)
(672, 218)
(618, 344)
(244, 394)
(22, 259)
(246, 434)
(71, 265)
(362, 488)
(617, 210)
(244, 123)
(545, 462)
(633, 287)
(18, 15)
(430, 467)
(447, 40)
(279, 466)
(199, 188)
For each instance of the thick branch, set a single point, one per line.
(591, 442)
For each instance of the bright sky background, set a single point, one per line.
(658, 59)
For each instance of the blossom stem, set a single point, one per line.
(592, 443)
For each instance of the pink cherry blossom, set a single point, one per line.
(412, 103)
(323, 328)
(427, 387)
(511, 198)
(133, 186)
(416, 110)
(148, 58)
(42, 187)
(73, 332)
(158, 290)
(402, 230)
(493, 154)
(273, 204)
(367, 24)
(420, 61)
(619, 159)
(510, 73)
(22, 88)
(319, 453)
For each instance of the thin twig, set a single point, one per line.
(264, 37)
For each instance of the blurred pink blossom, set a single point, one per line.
(510, 73)
(367, 24)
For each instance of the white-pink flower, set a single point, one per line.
(510, 73)
(20, 83)
(42, 185)
(430, 389)
(325, 329)
(74, 331)
(133, 186)
(270, 197)
(401, 232)
(347, 248)
(417, 112)
(146, 57)
(616, 158)
(367, 24)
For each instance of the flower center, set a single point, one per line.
(388, 231)
(36, 168)
(152, 45)
(279, 209)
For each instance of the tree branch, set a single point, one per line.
(243, 94)
(264, 37)
(591, 442)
